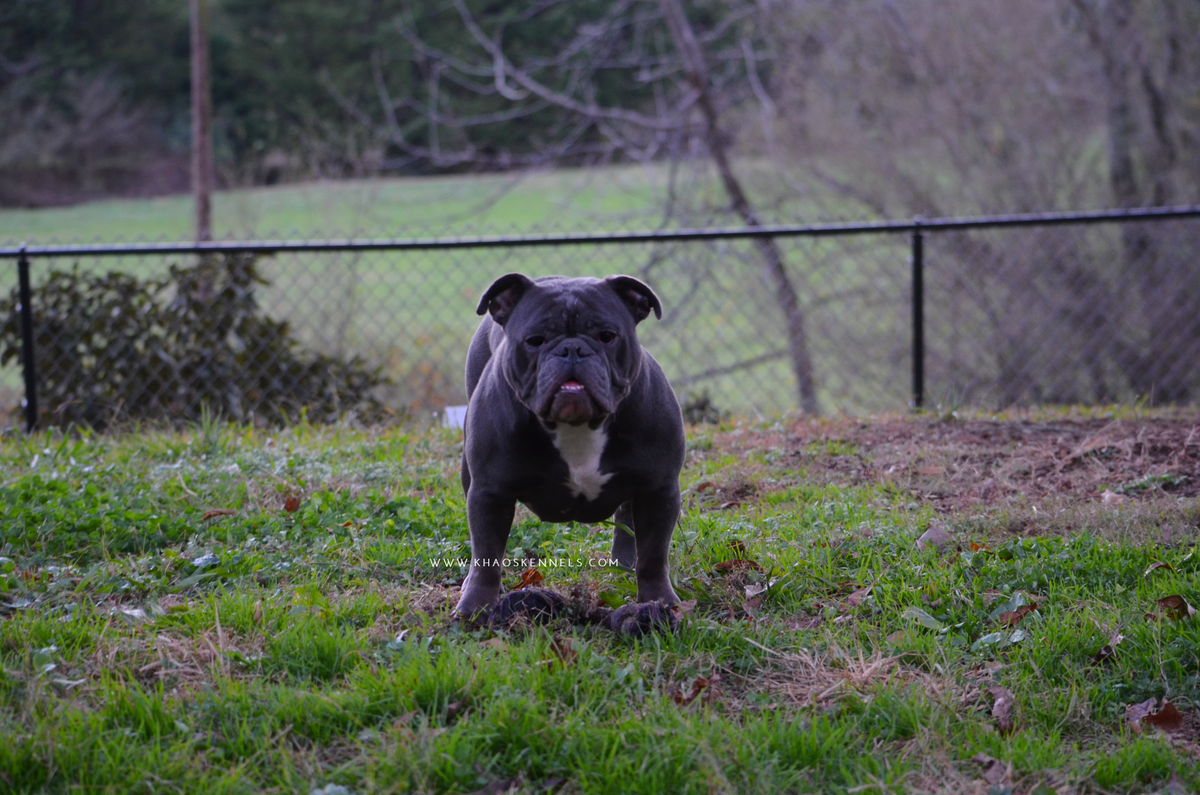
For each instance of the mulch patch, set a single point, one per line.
(961, 464)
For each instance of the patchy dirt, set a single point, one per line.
(962, 464)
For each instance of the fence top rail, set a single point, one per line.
(600, 238)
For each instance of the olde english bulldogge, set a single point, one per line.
(571, 417)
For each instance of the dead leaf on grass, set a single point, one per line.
(1173, 606)
(935, 537)
(1109, 497)
(726, 566)
(216, 512)
(1011, 618)
(455, 708)
(1166, 717)
(1002, 708)
(995, 772)
(685, 607)
(731, 504)
(698, 686)
(1156, 566)
(564, 650)
(1108, 649)
(495, 644)
(857, 596)
(529, 578)
(291, 504)
(756, 588)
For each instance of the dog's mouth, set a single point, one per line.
(571, 404)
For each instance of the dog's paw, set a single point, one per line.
(642, 618)
(534, 605)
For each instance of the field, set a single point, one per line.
(920, 603)
(413, 313)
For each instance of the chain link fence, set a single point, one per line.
(995, 312)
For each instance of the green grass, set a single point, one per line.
(146, 648)
(413, 313)
(371, 208)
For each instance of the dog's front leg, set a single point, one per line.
(490, 518)
(654, 518)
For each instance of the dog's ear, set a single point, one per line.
(503, 295)
(637, 296)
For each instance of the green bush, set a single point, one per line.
(114, 348)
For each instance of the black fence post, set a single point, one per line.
(918, 314)
(27, 351)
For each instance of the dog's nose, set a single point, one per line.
(574, 352)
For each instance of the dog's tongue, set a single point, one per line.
(573, 387)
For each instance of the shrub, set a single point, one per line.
(114, 347)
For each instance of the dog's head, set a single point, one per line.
(572, 352)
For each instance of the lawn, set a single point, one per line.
(412, 313)
(233, 610)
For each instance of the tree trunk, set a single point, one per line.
(775, 268)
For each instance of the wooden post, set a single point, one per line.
(202, 151)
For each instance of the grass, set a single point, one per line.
(371, 208)
(413, 313)
(147, 644)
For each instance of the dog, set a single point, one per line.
(571, 417)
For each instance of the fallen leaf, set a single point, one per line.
(698, 686)
(215, 512)
(994, 771)
(495, 644)
(935, 537)
(1002, 708)
(703, 486)
(454, 709)
(1176, 607)
(929, 471)
(979, 547)
(1108, 649)
(529, 578)
(731, 504)
(1156, 566)
(685, 607)
(756, 588)
(564, 650)
(856, 597)
(1108, 497)
(726, 566)
(291, 504)
(1013, 604)
(1167, 717)
(1010, 618)
(896, 638)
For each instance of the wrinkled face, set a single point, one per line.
(572, 350)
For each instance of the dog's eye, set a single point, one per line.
(606, 336)
(535, 341)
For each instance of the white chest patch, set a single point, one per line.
(581, 448)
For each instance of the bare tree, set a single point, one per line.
(635, 79)
(928, 108)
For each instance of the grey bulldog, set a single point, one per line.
(571, 417)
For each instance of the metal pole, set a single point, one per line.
(27, 349)
(918, 314)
